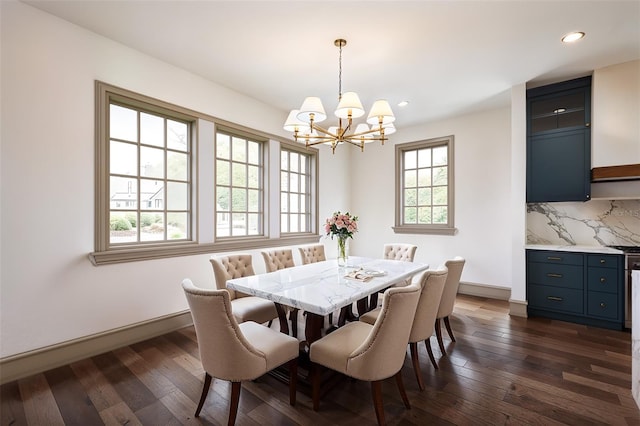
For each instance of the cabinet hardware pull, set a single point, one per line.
(554, 298)
(602, 261)
(553, 258)
(554, 275)
(602, 280)
(603, 305)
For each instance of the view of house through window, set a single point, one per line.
(171, 181)
(425, 185)
(295, 193)
(149, 177)
(239, 185)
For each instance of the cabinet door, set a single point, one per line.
(555, 112)
(558, 167)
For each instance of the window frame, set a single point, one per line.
(202, 222)
(311, 207)
(262, 182)
(400, 227)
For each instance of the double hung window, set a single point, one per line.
(424, 187)
(239, 185)
(295, 191)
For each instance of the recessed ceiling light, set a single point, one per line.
(571, 37)
(403, 104)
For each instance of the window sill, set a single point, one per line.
(124, 255)
(425, 230)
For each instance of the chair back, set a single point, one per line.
(225, 353)
(400, 251)
(433, 283)
(382, 353)
(274, 260)
(312, 253)
(228, 267)
(454, 266)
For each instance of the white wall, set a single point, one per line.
(50, 292)
(615, 137)
(482, 197)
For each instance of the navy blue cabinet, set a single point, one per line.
(559, 142)
(584, 288)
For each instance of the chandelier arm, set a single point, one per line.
(367, 132)
(322, 130)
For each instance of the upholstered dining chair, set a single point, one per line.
(395, 251)
(274, 260)
(423, 326)
(448, 300)
(400, 251)
(370, 352)
(312, 253)
(245, 307)
(236, 352)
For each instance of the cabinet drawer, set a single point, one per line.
(603, 260)
(569, 276)
(602, 279)
(556, 257)
(603, 305)
(555, 298)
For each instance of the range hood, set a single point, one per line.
(615, 173)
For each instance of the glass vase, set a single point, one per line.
(343, 251)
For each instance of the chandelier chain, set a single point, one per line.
(340, 73)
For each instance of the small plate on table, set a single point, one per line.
(375, 272)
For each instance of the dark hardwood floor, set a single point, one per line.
(501, 370)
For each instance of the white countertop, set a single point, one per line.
(321, 287)
(582, 249)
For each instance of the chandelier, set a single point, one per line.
(303, 122)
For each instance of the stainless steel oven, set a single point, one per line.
(631, 262)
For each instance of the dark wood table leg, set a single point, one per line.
(282, 317)
(313, 327)
(346, 314)
(363, 306)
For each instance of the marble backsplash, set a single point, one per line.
(592, 223)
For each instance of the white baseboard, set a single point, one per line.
(518, 308)
(25, 364)
(483, 290)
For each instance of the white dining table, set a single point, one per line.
(321, 288)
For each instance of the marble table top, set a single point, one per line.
(321, 287)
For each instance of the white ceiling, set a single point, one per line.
(445, 57)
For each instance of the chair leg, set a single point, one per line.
(270, 322)
(413, 346)
(293, 316)
(403, 393)
(293, 380)
(439, 336)
(234, 402)
(205, 391)
(315, 383)
(427, 344)
(448, 325)
(376, 393)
